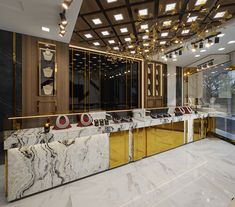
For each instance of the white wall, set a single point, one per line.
(171, 85)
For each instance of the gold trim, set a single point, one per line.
(6, 174)
(72, 81)
(142, 84)
(108, 53)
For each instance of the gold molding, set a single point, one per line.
(108, 53)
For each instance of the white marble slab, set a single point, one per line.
(43, 166)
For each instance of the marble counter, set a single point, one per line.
(37, 161)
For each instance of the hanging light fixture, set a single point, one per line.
(66, 4)
(63, 18)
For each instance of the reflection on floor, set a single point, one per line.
(198, 174)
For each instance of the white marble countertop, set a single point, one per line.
(32, 136)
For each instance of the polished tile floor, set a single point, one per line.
(199, 174)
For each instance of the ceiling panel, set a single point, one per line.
(149, 6)
(104, 30)
(114, 4)
(124, 27)
(100, 16)
(89, 6)
(81, 25)
(122, 11)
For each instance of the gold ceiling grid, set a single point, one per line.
(141, 28)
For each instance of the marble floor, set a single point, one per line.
(200, 174)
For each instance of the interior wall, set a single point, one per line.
(171, 82)
(32, 103)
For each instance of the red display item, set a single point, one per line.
(188, 110)
(180, 109)
(62, 122)
(84, 120)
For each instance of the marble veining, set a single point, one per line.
(198, 174)
(39, 167)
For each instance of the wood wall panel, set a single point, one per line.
(30, 82)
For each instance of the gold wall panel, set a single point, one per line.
(204, 127)
(139, 143)
(197, 129)
(118, 148)
(164, 137)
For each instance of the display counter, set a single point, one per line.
(37, 160)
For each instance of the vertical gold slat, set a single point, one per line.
(126, 84)
(72, 82)
(14, 79)
(85, 81)
(6, 174)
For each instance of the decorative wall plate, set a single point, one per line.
(188, 110)
(47, 72)
(62, 122)
(47, 55)
(84, 120)
(48, 89)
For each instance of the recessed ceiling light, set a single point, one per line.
(197, 55)
(144, 26)
(167, 23)
(164, 34)
(105, 33)
(203, 51)
(111, 1)
(116, 48)
(127, 39)
(219, 15)
(200, 2)
(231, 42)
(145, 37)
(45, 29)
(96, 21)
(162, 42)
(111, 41)
(192, 19)
(118, 17)
(88, 36)
(96, 43)
(124, 30)
(133, 52)
(143, 12)
(221, 49)
(170, 7)
(130, 46)
(146, 50)
(146, 44)
(220, 35)
(185, 31)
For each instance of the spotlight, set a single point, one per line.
(66, 4)
(61, 34)
(201, 45)
(209, 43)
(63, 18)
(216, 40)
(210, 63)
(180, 52)
(170, 56)
(62, 27)
(167, 56)
(194, 48)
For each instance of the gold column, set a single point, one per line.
(139, 145)
(197, 133)
(118, 149)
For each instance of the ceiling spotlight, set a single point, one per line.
(209, 43)
(162, 42)
(66, 4)
(170, 56)
(145, 37)
(118, 17)
(174, 56)
(105, 33)
(194, 48)
(88, 36)
(62, 26)
(63, 18)
(144, 26)
(219, 15)
(197, 55)
(62, 31)
(200, 2)
(180, 52)
(231, 42)
(220, 35)
(185, 31)
(192, 19)
(97, 21)
(46, 29)
(164, 34)
(210, 63)
(127, 39)
(111, 41)
(96, 43)
(146, 44)
(62, 34)
(130, 46)
(221, 49)
(111, 1)
(116, 48)
(132, 52)
(201, 45)
(143, 12)
(124, 30)
(203, 51)
(167, 23)
(170, 7)
(216, 40)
